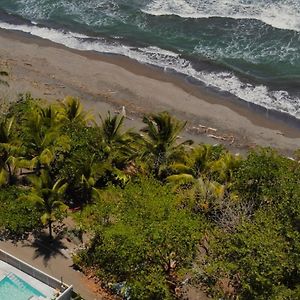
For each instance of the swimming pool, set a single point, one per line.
(13, 287)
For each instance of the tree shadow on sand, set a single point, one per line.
(47, 248)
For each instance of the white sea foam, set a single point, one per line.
(88, 12)
(284, 14)
(170, 61)
(252, 45)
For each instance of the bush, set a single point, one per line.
(258, 259)
(17, 216)
(142, 238)
(258, 178)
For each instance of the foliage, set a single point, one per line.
(8, 150)
(118, 144)
(46, 195)
(242, 213)
(83, 165)
(197, 163)
(258, 259)
(72, 112)
(21, 107)
(42, 137)
(17, 217)
(258, 177)
(142, 237)
(160, 140)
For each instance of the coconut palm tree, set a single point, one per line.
(42, 138)
(120, 146)
(205, 196)
(197, 163)
(160, 140)
(225, 166)
(8, 151)
(47, 195)
(111, 130)
(72, 111)
(88, 175)
(50, 116)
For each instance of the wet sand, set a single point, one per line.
(108, 82)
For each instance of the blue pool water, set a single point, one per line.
(13, 287)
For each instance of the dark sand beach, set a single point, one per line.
(108, 82)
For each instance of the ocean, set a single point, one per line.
(249, 49)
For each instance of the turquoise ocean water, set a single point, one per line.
(246, 48)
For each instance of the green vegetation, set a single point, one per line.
(17, 217)
(161, 214)
(141, 237)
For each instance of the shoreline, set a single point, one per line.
(261, 116)
(53, 71)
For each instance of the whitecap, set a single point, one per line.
(222, 81)
(284, 14)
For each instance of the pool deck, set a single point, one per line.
(56, 264)
(5, 269)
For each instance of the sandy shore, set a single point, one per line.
(106, 82)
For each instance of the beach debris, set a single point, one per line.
(111, 92)
(204, 129)
(212, 129)
(211, 133)
(230, 138)
(222, 138)
(201, 126)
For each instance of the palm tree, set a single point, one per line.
(197, 163)
(42, 138)
(111, 130)
(204, 196)
(49, 116)
(120, 146)
(72, 111)
(160, 142)
(90, 172)
(47, 195)
(225, 166)
(8, 150)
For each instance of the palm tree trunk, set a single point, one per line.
(50, 229)
(10, 181)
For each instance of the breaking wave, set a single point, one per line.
(261, 95)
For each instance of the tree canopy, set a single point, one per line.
(162, 214)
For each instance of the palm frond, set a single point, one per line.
(46, 157)
(73, 111)
(181, 178)
(3, 177)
